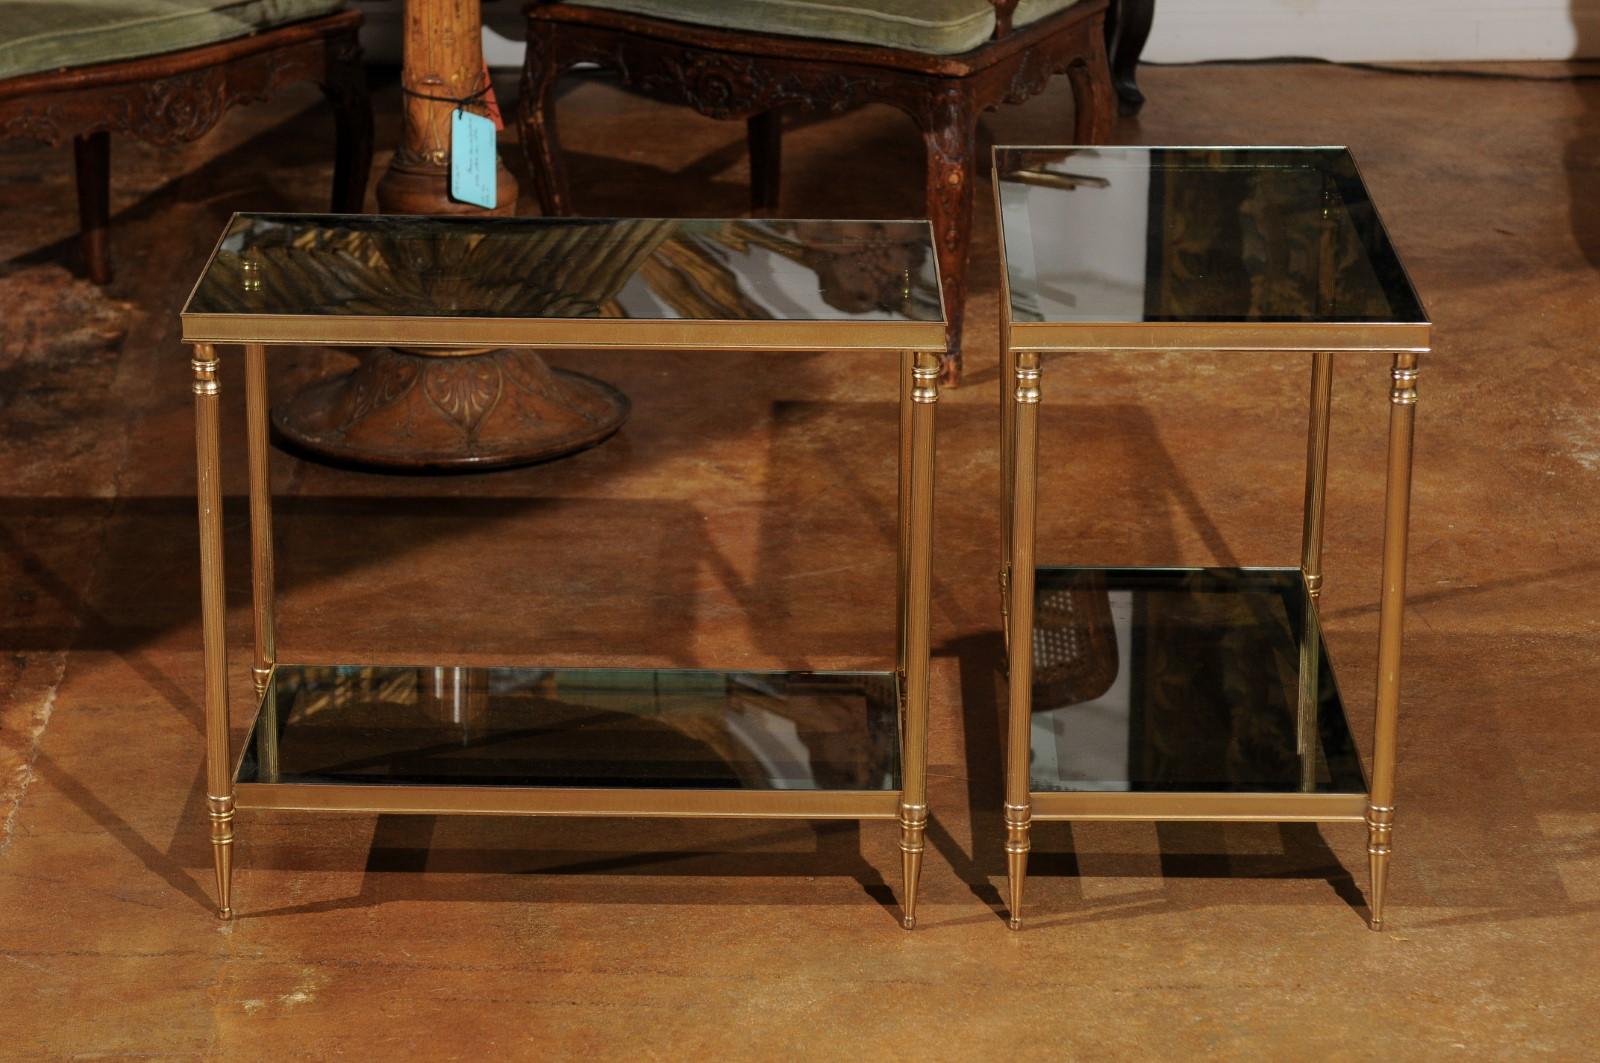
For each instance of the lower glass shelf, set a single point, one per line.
(1189, 681)
(575, 741)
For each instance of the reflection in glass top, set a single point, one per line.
(1197, 235)
(556, 268)
(580, 727)
(1184, 680)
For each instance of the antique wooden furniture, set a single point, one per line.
(798, 744)
(1226, 708)
(411, 409)
(165, 72)
(943, 63)
(1127, 30)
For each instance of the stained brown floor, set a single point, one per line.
(741, 518)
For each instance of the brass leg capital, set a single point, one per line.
(925, 378)
(1403, 392)
(204, 364)
(1027, 376)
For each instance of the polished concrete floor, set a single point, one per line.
(743, 517)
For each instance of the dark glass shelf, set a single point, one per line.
(1185, 680)
(571, 268)
(576, 727)
(1219, 235)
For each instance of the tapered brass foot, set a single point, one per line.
(913, 827)
(1380, 826)
(260, 677)
(221, 812)
(1016, 872)
(1019, 822)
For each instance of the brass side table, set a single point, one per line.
(441, 739)
(1213, 697)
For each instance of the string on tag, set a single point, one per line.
(460, 101)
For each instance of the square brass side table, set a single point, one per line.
(1194, 693)
(518, 740)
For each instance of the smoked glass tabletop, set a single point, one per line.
(545, 269)
(1144, 235)
(1184, 680)
(581, 727)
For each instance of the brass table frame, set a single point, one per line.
(1022, 345)
(920, 344)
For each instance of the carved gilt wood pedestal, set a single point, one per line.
(424, 410)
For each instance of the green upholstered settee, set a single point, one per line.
(942, 62)
(936, 27)
(164, 71)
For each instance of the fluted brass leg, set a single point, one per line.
(255, 356)
(1316, 470)
(918, 607)
(213, 613)
(1008, 368)
(1391, 617)
(903, 527)
(1307, 724)
(1023, 490)
(1311, 565)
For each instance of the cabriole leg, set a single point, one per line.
(260, 514)
(764, 135)
(914, 735)
(213, 614)
(1391, 615)
(92, 158)
(1023, 488)
(536, 116)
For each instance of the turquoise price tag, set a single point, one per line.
(472, 159)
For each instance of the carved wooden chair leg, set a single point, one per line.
(764, 134)
(92, 157)
(536, 119)
(1093, 100)
(949, 127)
(345, 87)
(1127, 29)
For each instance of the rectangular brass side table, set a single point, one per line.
(523, 740)
(1194, 693)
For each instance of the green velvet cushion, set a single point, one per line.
(38, 35)
(1033, 10)
(939, 27)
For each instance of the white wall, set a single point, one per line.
(1187, 30)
